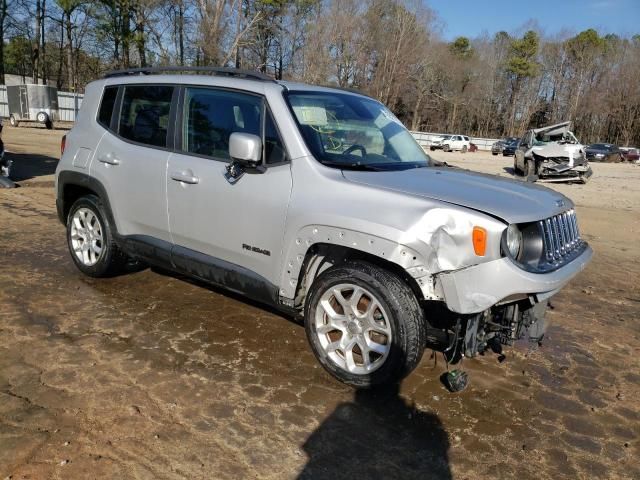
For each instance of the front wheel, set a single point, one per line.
(364, 324)
(530, 168)
(13, 121)
(516, 170)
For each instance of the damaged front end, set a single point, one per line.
(558, 155)
(562, 169)
(488, 331)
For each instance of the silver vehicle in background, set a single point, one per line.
(316, 201)
(552, 154)
(32, 103)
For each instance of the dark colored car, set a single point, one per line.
(510, 147)
(630, 154)
(603, 152)
(498, 146)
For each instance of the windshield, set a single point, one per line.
(354, 132)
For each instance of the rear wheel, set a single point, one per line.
(90, 239)
(364, 324)
(464, 149)
(446, 147)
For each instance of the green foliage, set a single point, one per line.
(461, 48)
(17, 56)
(585, 46)
(68, 6)
(522, 59)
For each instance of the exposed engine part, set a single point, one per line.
(458, 336)
(504, 325)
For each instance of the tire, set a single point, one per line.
(397, 318)
(432, 149)
(446, 148)
(42, 117)
(49, 125)
(530, 168)
(495, 154)
(87, 224)
(516, 170)
(464, 149)
(13, 121)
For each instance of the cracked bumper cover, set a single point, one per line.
(474, 289)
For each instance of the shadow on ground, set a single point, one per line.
(378, 435)
(29, 166)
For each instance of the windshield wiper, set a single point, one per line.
(365, 167)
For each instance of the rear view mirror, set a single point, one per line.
(245, 148)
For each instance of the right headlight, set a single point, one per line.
(514, 240)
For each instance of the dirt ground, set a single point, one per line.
(151, 376)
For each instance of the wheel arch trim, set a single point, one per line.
(69, 178)
(299, 269)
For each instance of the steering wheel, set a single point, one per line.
(355, 147)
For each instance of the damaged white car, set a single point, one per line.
(552, 154)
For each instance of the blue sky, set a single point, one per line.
(473, 17)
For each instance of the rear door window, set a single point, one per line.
(210, 116)
(144, 116)
(106, 106)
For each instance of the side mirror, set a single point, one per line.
(245, 149)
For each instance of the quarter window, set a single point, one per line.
(211, 116)
(144, 116)
(106, 106)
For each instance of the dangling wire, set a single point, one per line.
(453, 345)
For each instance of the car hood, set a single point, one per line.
(510, 200)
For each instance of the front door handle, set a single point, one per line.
(185, 177)
(109, 158)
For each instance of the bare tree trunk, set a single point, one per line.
(141, 41)
(35, 51)
(181, 31)
(59, 80)
(71, 74)
(125, 32)
(43, 44)
(3, 16)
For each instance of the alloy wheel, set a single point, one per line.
(87, 239)
(353, 328)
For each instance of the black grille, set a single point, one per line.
(560, 236)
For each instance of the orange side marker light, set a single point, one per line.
(479, 238)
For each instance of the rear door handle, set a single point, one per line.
(109, 158)
(185, 177)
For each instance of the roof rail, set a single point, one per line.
(221, 71)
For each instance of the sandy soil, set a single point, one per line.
(151, 376)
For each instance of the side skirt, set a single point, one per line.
(202, 267)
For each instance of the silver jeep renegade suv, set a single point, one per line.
(316, 201)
